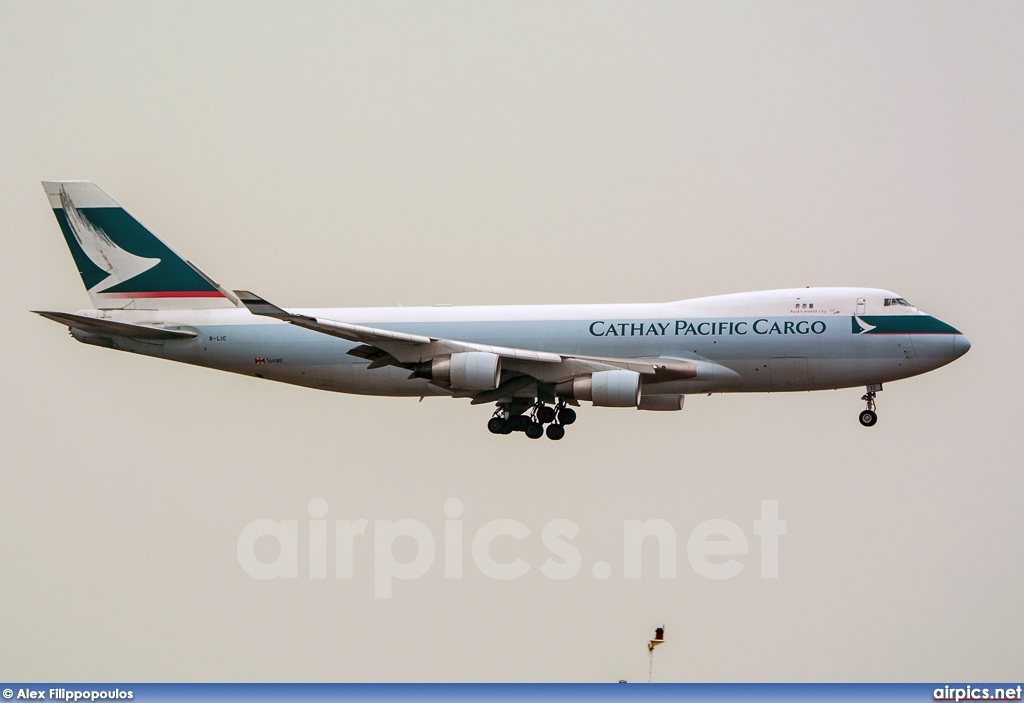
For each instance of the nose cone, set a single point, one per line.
(961, 345)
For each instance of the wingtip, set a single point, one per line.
(258, 305)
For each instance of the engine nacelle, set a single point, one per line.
(608, 389)
(661, 402)
(470, 371)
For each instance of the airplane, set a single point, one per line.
(535, 363)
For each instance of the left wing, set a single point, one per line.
(388, 347)
(404, 347)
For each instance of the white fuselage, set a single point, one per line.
(782, 340)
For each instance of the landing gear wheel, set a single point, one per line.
(867, 416)
(555, 432)
(535, 430)
(545, 414)
(519, 423)
(496, 425)
(566, 416)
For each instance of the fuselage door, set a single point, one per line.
(862, 305)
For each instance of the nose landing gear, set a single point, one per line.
(868, 416)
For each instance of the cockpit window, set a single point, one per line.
(897, 301)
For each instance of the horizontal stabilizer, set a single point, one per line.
(109, 327)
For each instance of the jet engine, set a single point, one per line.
(609, 389)
(471, 371)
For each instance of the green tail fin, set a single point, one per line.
(123, 265)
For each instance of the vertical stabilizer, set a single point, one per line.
(124, 265)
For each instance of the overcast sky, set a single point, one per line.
(349, 154)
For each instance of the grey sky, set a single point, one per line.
(385, 154)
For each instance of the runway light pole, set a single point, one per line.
(659, 638)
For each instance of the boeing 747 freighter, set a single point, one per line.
(535, 363)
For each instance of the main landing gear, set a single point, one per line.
(514, 416)
(868, 416)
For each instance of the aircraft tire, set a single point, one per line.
(496, 425)
(566, 416)
(868, 418)
(535, 430)
(519, 423)
(555, 432)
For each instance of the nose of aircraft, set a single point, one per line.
(961, 345)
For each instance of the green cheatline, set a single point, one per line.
(900, 324)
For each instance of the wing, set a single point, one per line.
(404, 347)
(389, 347)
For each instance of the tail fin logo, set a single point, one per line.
(120, 265)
